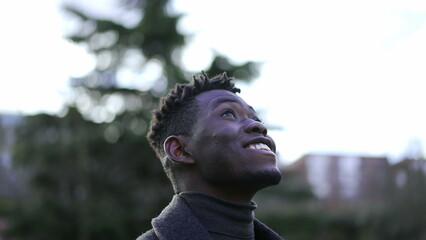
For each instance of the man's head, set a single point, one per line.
(178, 110)
(211, 140)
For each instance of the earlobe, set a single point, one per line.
(174, 147)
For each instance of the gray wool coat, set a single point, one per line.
(177, 222)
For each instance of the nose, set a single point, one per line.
(256, 127)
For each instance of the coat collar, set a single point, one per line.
(177, 221)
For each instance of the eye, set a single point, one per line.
(228, 114)
(257, 119)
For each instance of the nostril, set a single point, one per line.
(263, 131)
(259, 128)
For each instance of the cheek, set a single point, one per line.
(226, 134)
(217, 143)
(221, 148)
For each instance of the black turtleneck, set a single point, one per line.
(224, 220)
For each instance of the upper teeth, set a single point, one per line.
(260, 146)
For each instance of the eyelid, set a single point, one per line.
(257, 119)
(228, 111)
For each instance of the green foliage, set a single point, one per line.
(245, 71)
(81, 185)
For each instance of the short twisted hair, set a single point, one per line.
(178, 110)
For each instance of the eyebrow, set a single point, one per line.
(218, 102)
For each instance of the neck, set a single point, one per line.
(229, 194)
(238, 193)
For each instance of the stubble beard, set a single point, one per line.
(261, 179)
(251, 181)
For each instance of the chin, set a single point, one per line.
(263, 179)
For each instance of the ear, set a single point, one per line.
(174, 147)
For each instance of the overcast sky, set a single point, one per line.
(337, 76)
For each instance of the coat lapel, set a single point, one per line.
(261, 231)
(178, 222)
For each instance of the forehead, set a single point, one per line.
(213, 98)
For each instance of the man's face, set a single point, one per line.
(230, 145)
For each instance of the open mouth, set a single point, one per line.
(259, 146)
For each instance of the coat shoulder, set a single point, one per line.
(149, 235)
(264, 232)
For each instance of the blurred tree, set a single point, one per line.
(91, 173)
(81, 185)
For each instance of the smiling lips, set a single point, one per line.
(259, 146)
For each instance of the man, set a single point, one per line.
(217, 155)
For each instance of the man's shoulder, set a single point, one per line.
(176, 220)
(264, 232)
(149, 235)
